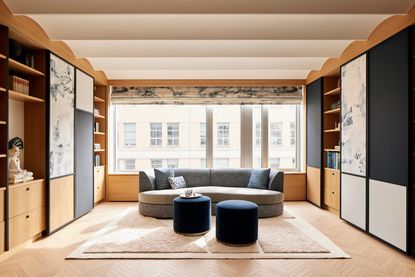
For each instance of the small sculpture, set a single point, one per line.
(16, 174)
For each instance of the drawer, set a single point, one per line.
(99, 184)
(25, 226)
(26, 197)
(2, 236)
(331, 188)
(2, 205)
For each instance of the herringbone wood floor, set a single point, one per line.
(369, 257)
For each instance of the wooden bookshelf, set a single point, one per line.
(3, 155)
(99, 133)
(99, 150)
(3, 122)
(335, 91)
(99, 116)
(3, 57)
(332, 131)
(332, 150)
(2, 89)
(18, 96)
(24, 69)
(98, 100)
(333, 111)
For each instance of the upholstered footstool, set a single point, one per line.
(237, 222)
(191, 216)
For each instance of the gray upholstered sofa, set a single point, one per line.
(218, 184)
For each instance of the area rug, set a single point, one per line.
(132, 236)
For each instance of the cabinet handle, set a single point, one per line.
(332, 173)
(97, 187)
(332, 192)
(27, 216)
(27, 189)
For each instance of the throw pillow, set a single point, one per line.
(162, 177)
(177, 182)
(259, 178)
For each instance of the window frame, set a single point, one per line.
(159, 134)
(173, 135)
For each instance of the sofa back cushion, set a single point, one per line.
(230, 177)
(194, 177)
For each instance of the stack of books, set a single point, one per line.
(333, 160)
(18, 84)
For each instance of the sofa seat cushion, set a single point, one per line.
(217, 194)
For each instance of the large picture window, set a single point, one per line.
(200, 136)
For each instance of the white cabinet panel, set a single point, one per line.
(84, 92)
(387, 212)
(353, 199)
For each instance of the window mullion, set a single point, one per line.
(264, 137)
(209, 136)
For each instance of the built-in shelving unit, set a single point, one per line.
(23, 69)
(100, 137)
(18, 96)
(331, 138)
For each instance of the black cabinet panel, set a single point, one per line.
(314, 123)
(389, 110)
(84, 165)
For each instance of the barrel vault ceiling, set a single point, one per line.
(214, 39)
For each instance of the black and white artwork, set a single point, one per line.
(208, 95)
(61, 117)
(353, 117)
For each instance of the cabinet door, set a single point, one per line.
(99, 184)
(353, 200)
(314, 123)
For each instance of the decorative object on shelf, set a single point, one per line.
(15, 49)
(96, 126)
(97, 160)
(97, 146)
(96, 111)
(18, 84)
(353, 116)
(335, 105)
(337, 147)
(16, 174)
(61, 119)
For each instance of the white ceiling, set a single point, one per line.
(215, 39)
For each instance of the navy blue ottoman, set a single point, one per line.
(191, 216)
(237, 222)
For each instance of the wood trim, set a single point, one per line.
(61, 201)
(26, 30)
(288, 82)
(295, 187)
(384, 30)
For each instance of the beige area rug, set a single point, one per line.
(132, 236)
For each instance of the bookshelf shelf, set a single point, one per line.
(18, 96)
(3, 57)
(2, 89)
(3, 122)
(331, 150)
(334, 111)
(99, 133)
(332, 131)
(98, 100)
(335, 91)
(99, 150)
(22, 68)
(328, 168)
(3, 155)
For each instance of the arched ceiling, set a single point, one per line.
(215, 39)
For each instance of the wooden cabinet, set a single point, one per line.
(2, 201)
(26, 197)
(27, 225)
(27, 211)
(331, 188)
(61, 201)
(99, 183)
(2, 236)
(314, 185)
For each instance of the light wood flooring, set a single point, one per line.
(369, 257)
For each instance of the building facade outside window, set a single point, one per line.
(202, 133)
(173, 133)
(276, 133)
(223, 134)
(172, 163)
(293, 133)
(126, 164)
(156, 163)
(274, 163)
(129, 134)
(156, 133)
(221, 163)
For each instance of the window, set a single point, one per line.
(155, 134)
(258, 134)
(129, 134)
(172, 163)
(173, 134)
(200, 136)
(126, 164)
(276, 133)
(274, 163)
(293, 133)
(221, 163)
(223, 134)
(202, 133)
(156, 163)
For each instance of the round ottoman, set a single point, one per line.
(237, 222)
(191, 216)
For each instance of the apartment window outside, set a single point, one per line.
(276, 133)
(173, 134)
(156, 133)
(156, 163)
(257, 133)
(221, 163)
(293, 133)
(202, 133)
(126, 164)
(223, 134)
(172, 163)
(274, 163)
(203, 163)
(129, 134)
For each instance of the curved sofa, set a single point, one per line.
(218, 184)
